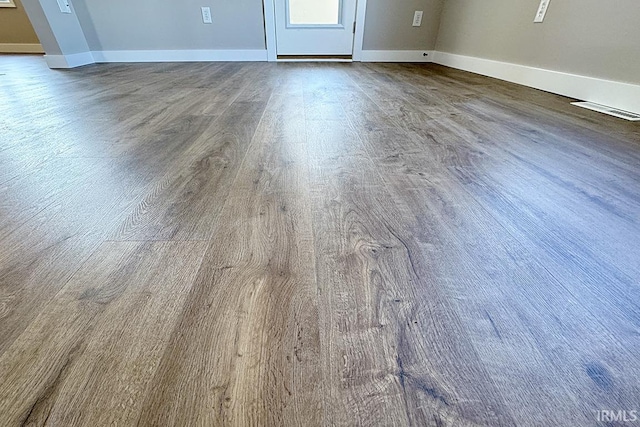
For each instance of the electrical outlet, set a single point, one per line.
(542, 11)
(64, 6)
(206, 15)
(417, 18)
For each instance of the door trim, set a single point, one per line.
(270, 29)
(358, 39)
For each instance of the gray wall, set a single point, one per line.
(389, 24)
(171, 24)
(59, 33)
(41, 26)
(586, 37)
(15, 26)
(238, 24)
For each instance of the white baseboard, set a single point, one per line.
(21, 48)
(396, 56)
(313, 60)
(179, 55)
(69, 61)
(620, 95)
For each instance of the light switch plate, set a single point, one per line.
(417, 18)
(64, 6)
(542, 11)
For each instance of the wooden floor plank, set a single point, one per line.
(98, 342)
(379, 295)
(252, 314)
(56, 223)
(185, 204)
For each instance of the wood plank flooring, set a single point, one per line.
(255, 244)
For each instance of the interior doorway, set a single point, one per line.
(314, 29)
(16, 32)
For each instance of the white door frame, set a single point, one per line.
(270, 29)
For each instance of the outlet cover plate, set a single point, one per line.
(206, 15)
(542, 11)
(417, 18)
(64, 6)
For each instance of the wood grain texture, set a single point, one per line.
(254, 302)
(253, 244)
(109, 319)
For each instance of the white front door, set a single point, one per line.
(315, 27)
